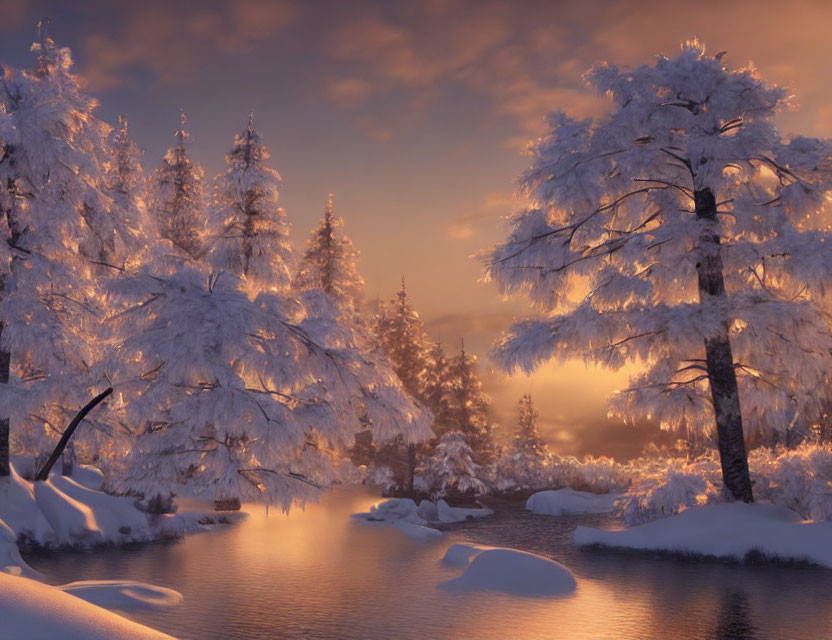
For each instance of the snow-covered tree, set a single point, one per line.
(241, 398)
(437, 385)
(527, 439)
(249, 233)
(695, 237)
(469, 408)
(329, 263)
(451, 468)
(401, 335)
(131, 225)
(176, 196)
(53, 223)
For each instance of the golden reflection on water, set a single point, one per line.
(318, 574)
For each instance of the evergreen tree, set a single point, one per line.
(250, 234)
(469, 408)
(330, 263)
(52, 204)
(132, 226)
(177, 196)
(437, 386)
(451, 469)
(402, 338)
(527, 440)
(702, 235)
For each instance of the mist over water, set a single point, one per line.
(319, 575)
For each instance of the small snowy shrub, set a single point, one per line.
(666, 495)
(451, 468)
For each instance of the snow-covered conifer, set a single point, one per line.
(53, 223)
(469, 408)
(436, 388)
(699, 236)
(132, 227)
(249, 233)
(329, 263)
(402, 337)
(176, 196)
(451, 468)
(527, 438)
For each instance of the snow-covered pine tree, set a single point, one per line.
(329, 263)
(451, 469)
(51, 149)
(132, 226)
(702, 235)
(401, 335)
(241, 398)
(437, 385)
(176, 196)
(249, 233)
(469, 408)
(527, 439)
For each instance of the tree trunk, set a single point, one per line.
(43, 474)
(68, 460)
(5, 360)
(719, 359)
(411, 468)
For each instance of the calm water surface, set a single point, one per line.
(319, 575)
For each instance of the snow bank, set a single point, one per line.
(20, 512)
(563, 502)
(10, 560)
(406, 509)
(88, 477)
(507, 570)
(449, 514)
(72, 521)
(418, 532)
(725, 531)
(124, 595)
(30, 610)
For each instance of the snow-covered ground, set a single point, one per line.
(412, 519)
(562, 502)
(510, 571)
(30, 610)
(730, 531)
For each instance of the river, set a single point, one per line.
(319, 575)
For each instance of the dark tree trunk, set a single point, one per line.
(411, 468)
(68, 460)
(5, 360)
(43, 474)
(719, 359)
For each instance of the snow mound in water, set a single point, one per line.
(730, 531)
(562, 502)
(427, 511)
(124, 595)
(418, 532)
(30, 610)
(10, 560)
(507, 570)
(448, 514)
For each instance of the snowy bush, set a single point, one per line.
(800, 479)
(666, 495)
(451, 468)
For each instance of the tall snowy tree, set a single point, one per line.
(249, 233)
(437, 386)
(701, 234)
(527, 439)
(402, 338)
(469, 408)
(330, 263)
(176, 196)
(242, 398)
(131, 225)
(53, 206)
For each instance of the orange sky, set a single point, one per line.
(413, 114)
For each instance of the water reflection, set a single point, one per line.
(319, 575)
(733, 620)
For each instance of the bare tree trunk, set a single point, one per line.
(411, 468)
(43, 474)
(5, 360)
(719, 359)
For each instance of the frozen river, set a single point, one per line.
(318, 574)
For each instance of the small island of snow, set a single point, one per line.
(564, 502)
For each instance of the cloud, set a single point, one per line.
(349, 91)
(486, 212)
(173, 44)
